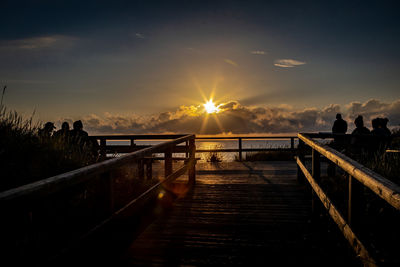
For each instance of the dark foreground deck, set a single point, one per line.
(241, 214)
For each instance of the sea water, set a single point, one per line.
(218, 144)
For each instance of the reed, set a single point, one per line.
(214, 156)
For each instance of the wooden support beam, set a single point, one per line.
(240, 148)
(316, 173)
(149, 169)
(355, 202)
(301, 157)
(168, 161)
(192, 162)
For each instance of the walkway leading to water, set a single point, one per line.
(240, 213)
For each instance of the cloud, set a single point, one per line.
(231, 62)
(374, 108)
(36, 43)
(288, 63)
(236, 118)
(139, 35)
(258, 52)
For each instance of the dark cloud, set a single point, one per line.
(238, 119)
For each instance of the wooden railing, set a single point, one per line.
(47, 217)
(358, 176)
(108, 149)
(240, 148)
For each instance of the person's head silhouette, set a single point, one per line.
(78, 125)
(338, 116)
(359, 122)
(65, 126)
(376, 123)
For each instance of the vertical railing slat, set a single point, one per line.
(240, 148)
(300, 154)
(192, 161)
(316, 173)
(168, 161)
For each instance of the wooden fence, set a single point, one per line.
(240, 148)
(108, 149)
(358, 176)
(50, 216)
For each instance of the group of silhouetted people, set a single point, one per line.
(362, 139)
(76, 137)
(76, 134)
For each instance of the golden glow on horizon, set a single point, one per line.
(210, 107)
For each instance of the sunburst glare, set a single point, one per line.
(210, 107)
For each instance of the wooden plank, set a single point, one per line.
(243, 149)
(358, 247)
(381, 186)
(243, 137)
(128, 148)
(237, 219)
(139, 137)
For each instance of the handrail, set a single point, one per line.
(247, 137)
(56, 183)
(240, 148)
(139, 136)
(133, 146)
(33, 203)
(382, 187)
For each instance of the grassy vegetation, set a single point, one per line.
(214, 156)
(25, 157)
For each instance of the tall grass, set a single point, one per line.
(214, 156)
(25, 157)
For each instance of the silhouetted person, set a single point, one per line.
(377, 129)
(63, 132)
(384, 122)
(340, 125)
(47, 130)
(78, 135)
(360, 136)
(81, 138)
(381, 135)
(360, 128)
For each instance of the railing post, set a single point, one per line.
(149, 169)
(133, 143)
(168, 161)
(108, 182)
(354, 208)
(192, 161)
(240, 148)
(103, 143)
(187, 149)
(316, 173)
(141, 168)
(300, 154)
(292, 143)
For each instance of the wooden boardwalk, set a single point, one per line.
(240, 214)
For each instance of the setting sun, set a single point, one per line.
(210, 107)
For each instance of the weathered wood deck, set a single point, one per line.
(240, 214)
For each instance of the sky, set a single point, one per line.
(149, 66)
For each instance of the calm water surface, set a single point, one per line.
(219, 144)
